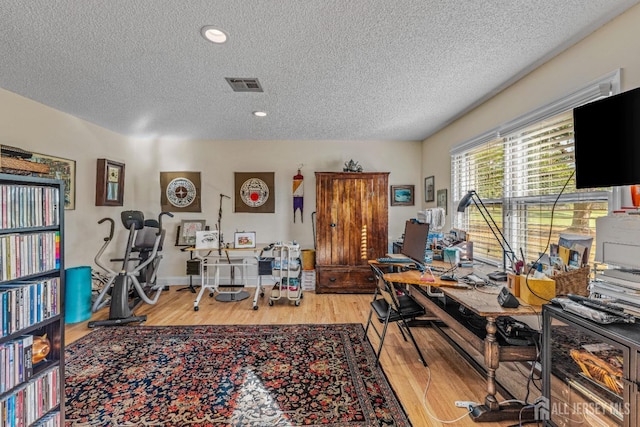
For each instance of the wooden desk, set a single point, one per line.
(414, 277)
(483, 304)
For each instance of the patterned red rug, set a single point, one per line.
(273, 375)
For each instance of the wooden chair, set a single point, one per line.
(391, 306)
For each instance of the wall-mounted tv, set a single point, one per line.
(607, 141)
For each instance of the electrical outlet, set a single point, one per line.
(465, 404)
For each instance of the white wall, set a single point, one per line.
(38, 128)
(41, 129)
(613, 46)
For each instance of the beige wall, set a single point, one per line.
(32, 126)
(613, 46)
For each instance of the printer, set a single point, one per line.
(618, 246)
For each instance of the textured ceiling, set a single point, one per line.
(330, 69)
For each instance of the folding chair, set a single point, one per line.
(390, 306)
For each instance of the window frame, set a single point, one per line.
(513, 207)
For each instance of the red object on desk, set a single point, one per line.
(635, 195)
(431, 277)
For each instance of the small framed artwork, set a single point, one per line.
(402, 195)
(207, 239)
(188, 230)
(442, 199)
(109, 183)
(429, 189)
(245, 239)
(63, 169)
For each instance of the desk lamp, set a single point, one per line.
(507, 252)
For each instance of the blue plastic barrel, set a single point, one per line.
(77, 294)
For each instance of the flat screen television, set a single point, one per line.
(416, 236)
(607, 141)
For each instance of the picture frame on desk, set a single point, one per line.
(109, 183)
(402, 195)
(187, 231)
(245, 239)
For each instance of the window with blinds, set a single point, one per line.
(524, 177)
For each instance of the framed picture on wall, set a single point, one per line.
(109, 183)
(63, 169)
(402, 195)
(254, 192)
(442, 199)
(429, 189)
(180, 192)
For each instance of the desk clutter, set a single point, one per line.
(562, 271)
(561, 276)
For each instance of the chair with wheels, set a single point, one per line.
(391, 306)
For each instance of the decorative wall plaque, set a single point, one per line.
(180, 192)
(254, 192)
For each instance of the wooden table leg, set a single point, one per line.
(491, 410)
(491, 361)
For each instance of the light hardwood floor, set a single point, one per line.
(449, 377)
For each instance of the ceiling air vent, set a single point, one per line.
(243, 84)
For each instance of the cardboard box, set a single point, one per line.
(308, 280)
(537, 291)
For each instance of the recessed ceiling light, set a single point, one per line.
(213, 34)
(259, 113)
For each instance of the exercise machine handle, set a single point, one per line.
(169, 214)
(106, 239)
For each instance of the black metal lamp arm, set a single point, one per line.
(507, 252)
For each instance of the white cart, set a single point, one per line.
(286, 273)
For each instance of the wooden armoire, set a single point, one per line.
(351, 228)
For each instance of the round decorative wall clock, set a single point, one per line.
(254, 192)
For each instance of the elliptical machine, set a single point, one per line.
(125, 287)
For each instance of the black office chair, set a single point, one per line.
(391, 306)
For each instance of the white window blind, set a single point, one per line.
(520, 174)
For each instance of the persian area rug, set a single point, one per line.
(245, 375)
